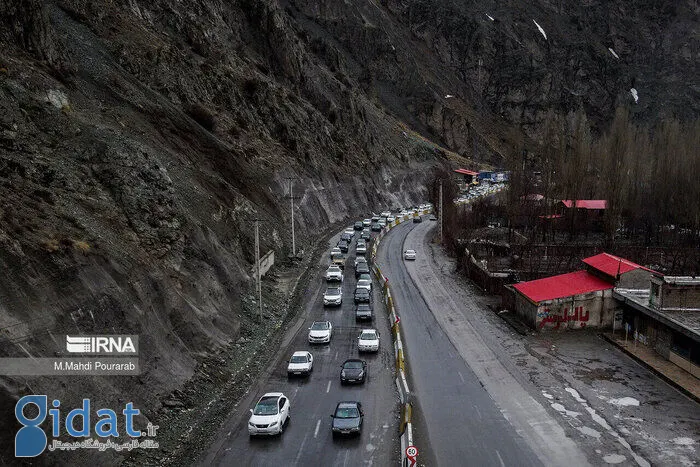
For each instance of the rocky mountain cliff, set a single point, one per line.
(140, 140)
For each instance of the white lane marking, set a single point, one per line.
(500, 458)
(318, 425)
(460, 376)
(301, 450)
(328, 388)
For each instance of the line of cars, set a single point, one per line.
(273, 410)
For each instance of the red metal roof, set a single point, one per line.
(612, 265)
(564, 285)
(466, 172)
(586, 203)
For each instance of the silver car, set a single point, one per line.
(333, 296)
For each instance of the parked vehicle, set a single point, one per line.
(333, 296)
(362, 296)
(347, 418)
(320, 332)
(338, 259)
(364, 284)
(269, 415)
(361, 268)
(301, 363)
(353, 370)
(364, 312)
(368, 341)
(360, 259)
(334, 273)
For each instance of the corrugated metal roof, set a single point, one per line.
(586, 203)
(613, 265)
(563, 285)
(466, 172)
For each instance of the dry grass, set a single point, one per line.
(50, 245)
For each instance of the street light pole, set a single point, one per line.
(441, 211)
(257, 267)
(291, 205)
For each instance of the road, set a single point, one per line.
(308, 440)
(458, 420)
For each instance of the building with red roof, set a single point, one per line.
(619, 271)
(581, 298)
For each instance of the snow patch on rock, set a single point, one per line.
(682, 441)
(540, 28)
(561, 409)
(614, 458)
(635, 96)
(625, 401)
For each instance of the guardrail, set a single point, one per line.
(405, 428)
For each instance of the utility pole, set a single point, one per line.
(291, 205)
(441, 221)
(257, 267)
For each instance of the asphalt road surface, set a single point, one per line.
(457, 420)
(307, 439)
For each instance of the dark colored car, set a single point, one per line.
(366, 235)
(343, 245)
(353, 370)
(358, 225)
(347, 418)
(362, 268)
(363, 311)
(362, 296)
(346, 237)
(417, 220)
(376, 227)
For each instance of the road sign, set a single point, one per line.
(412, 453)
(398, 320)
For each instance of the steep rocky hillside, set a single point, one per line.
(140, 139)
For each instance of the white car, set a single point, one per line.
(333, 296)
(368, 341)
(366, 222)
(336, 251)
(301, 363)
(382, 222)
(390, 219)
(364, 284)
(409, 254)
(269, 415)
(385, 214)
(360, 259)
(350, 231)
(334, 273)
(361, 248)
(320, 332)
